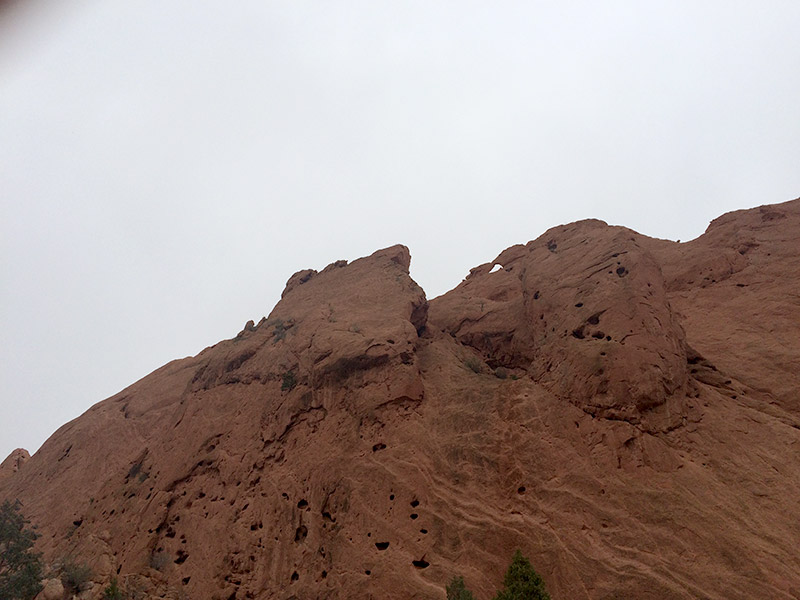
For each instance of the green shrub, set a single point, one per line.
(473, 364)
(279, 331)
(113, 591)
(74, 575)
(457, 590)
(522, 582)
(20, 568)
(289, 381)
(159, 560)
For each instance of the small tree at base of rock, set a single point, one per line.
(20, 568)
(75, 575)
(457, 590)
(113, 591)
(522, 582)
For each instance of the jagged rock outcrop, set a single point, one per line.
(624, 410)
(13, 462)
(737, 291)
(52, 589)
(584, 310)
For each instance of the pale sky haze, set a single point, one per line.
(166, 166)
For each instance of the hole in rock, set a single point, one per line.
(414, 503)
(598, 335)
(496, 268)
(302, 503)
(182, 556)
(381, 545)
(423, 531)
(594, 319)
(551, 245)
(378, 446)
(578, 333)
(621, 271)
(579, 305)
(185, 580)
(368, 572)
(77, 522)
(608, 338)
(421, 563)
(324, 574)
(521, 489)
(390, 341)
(301, 533)
(414, 516)
(536, 295)
(391, 496)
(295, 576)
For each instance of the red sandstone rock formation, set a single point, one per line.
(624, 410)
(13, 462)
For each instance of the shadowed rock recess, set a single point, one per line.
(622, 409)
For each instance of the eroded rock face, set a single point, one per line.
(358, 320)
(621, 409)
(583, 309)
(52, 589)
(737, 291)
(13, 462)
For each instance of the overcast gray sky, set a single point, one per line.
(166, 166)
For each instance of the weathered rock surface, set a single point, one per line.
(583, 310)
(624, 410)
(52, 589)
(13, 462)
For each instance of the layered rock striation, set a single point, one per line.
(624, 410)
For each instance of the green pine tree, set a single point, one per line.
(522, 582)
(113, 591)
(20, 567)
(457, 590)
